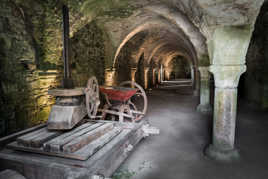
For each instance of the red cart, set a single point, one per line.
(126, 102)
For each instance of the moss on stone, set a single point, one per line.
(88, 53)
(204, 60)
(110, 8)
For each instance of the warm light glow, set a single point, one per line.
(167, 74)
(146, 70)
(133, 73)
(159, 75)
(110, 77)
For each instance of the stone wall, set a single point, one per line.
(22, 86)
(88, 54)
(255, 81)
(179, 68)
(31, 63)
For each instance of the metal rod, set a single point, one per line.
(178, 81)
(161, 73)
(67, 81)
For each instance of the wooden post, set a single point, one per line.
(67, 81)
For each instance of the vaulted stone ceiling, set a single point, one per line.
(190, 21)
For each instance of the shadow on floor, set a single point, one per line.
(177, 153)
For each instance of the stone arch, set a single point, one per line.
(169, 19)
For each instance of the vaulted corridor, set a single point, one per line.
(177, 152)
(202, 63)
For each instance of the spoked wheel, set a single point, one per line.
(92, 97)
(138, 103)
(126, 110)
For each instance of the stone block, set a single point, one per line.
(65, 117)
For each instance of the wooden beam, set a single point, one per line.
(95, 145)
(25, 140)
(5, 140)
(57, 144)
(85, 139)
(10, 174)
(44, 137)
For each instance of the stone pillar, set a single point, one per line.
(159, 76)
(204, 106)
(146, 70)
(167, 74)
(110, 77)
(195, 82)
(225, 103)
(133, 73)
(154, 76)
(162, 74)
(228, 49)
(192, 74)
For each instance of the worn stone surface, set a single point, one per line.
(229, 45)
(225, 109)
(204, 106)
(116, 34)
(24, 100)
(254, 82)
(177, 153)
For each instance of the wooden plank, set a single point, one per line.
(104, 162)
(125, 125)
(25, 140)
(10, 174)
(66, 134)
(15, 146)
(43, 137)
(83, 140)
(57, 144)
(109, 158)
(12, 137)
(67, 92)
(95, 145)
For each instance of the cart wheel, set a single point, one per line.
(125, 109)
(138, 102)
(92, 97)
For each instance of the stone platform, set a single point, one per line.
(42, 164)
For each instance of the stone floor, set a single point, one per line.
(177, 153)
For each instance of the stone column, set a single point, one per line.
(162, 74)
(133, 76)
(228, 49)
(133, 73)
(154, 77)
(146, 70)
(195, 82)
(110, 77)
(159, 76)
(167, 74)
(225, 103)
(204, 106)
(192, 74)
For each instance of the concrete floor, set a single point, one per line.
(177, 153)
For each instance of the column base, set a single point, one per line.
(205, 109)
(222, 155)
(196, 93)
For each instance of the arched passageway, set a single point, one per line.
(152, 53)
(153, 43)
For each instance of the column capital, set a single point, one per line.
(227, 76)
(146, 69)
(204, 72)
(110, 69)
(134, 69)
